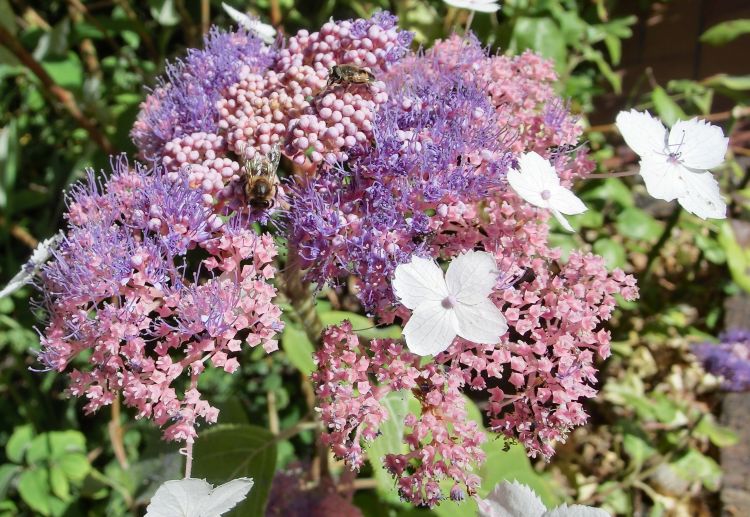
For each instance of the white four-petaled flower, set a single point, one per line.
(264, 31)
(482, 6)
(457, 305)
(516, 500)
(674, 164)
(537, 183)
(192, 497)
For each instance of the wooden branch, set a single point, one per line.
(56, 91)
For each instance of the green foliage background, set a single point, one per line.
(652, 428)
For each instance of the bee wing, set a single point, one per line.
(273, 158)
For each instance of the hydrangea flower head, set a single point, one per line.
(130, 314)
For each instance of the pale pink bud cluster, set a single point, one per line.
(201, 157)
(443, 443)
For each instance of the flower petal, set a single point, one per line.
(566, 202)
(511, 500)
(644, 134)
(418, 281)
(431, 328)
(700, 145)
(482, 323)
(703, 197)
(472, 276)
(662, 178)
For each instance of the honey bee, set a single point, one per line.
(348, 74)
(260, 182)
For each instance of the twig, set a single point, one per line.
(56, 91)
(358, 484)
(205, 15)
(275, 13)
(116, 435)
(273, 414)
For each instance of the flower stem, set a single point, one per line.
(116, 435)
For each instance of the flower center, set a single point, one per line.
(449, 302)
(674, 158)
(546, 194)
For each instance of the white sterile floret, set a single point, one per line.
(191, 497)
(41, 254)
(674, 164)
(457, 305)
(537, 183)
(482, 6)
(264, 31)
(512, 499)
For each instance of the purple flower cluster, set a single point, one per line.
(186, 99)
(129, 313)
(729, 359)
(436, 141)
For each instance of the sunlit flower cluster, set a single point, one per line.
(130, 315)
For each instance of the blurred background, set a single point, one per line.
(660, 438)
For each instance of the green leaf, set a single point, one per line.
(540, 34)
(66, 71)
(362, 325)
(75, 466)
(227, 452)
(613, 252)
(730, 82)
(33, 487)
(725, 32)
(637, 224)
(8, 160)
(18, 443)
(59, 483)
(390, 441)
(669, 111)
(719, 435)
(637, 448)
(55, 445)
(738, 258)
(694, 466)
(298, 349)
(7, 473)
(611, 189)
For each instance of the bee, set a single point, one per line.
(260, 182)
(348, 74)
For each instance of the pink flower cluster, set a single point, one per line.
(534, 381)
(293, 104)
(442, 443)
(130, 315)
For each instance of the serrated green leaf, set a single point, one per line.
(361, 325)
(725, 32)
(228, 452)
(19, 442)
